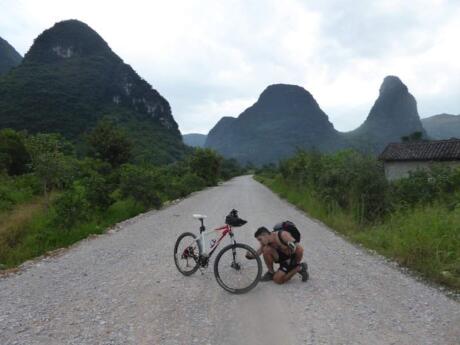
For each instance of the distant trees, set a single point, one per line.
(49, 162)
(14, 158)
(206, 163)
(109, 143)
(416, 136)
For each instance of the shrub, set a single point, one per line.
(98, 191)
(109, 143)
(206, 164)
(72, 207)
(14, 157)
(140, 183)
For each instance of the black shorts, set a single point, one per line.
(286, 262)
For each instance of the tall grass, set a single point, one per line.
(37, 233)
(425, 238)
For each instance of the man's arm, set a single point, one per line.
(295, 248)
(250, 256)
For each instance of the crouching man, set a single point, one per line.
(280, 247)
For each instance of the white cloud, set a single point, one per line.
(213, 58)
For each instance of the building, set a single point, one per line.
(400, 158)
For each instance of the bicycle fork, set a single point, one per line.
(235, 265)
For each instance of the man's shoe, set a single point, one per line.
(304, 271)
(267, 277)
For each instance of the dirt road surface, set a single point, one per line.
(123, 288)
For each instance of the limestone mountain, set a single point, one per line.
(194, 139)
(9, 57)
(70, 79)
(442, 126)
(393, 115)
(284, 118)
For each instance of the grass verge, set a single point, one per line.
(31, 231)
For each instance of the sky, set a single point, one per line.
(212, 58)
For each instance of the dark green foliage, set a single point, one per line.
(230, 168)
(190, 183)
(98, 191)
(49, 162)
(72, 207)
(14, 157)
(424, 187)
(9, 57)
(416, 136)
(109, 143)
(142, 184)
(347, 179)
(206, 164)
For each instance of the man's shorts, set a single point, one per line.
(287, 266)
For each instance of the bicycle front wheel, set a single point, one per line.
(234, 272)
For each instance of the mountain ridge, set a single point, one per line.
(70, 79)
(9, 57)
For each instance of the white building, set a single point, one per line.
(400, 158)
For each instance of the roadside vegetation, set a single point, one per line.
(414, 220)
(50, 197)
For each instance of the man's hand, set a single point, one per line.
(249, 256)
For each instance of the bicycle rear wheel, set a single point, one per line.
(234, 272)
(186, 254)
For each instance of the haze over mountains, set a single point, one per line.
(70, 79)
(442, 126)
(194, 139)
(284, 118)
(9, 57)
(287, 118)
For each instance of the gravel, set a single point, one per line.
(123, 288)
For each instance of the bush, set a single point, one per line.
(206, 164)
(98, 191)
(190, 183)
(14, 157)
(140, 183)
(72, 207)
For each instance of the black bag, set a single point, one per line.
(289, 227)
(232, 219)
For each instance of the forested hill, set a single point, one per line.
(9, 57)
(70, 79)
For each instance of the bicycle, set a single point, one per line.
(232, 270)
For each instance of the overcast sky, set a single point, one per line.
(213, 58)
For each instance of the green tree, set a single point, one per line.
(206, 163)
(109, 143)
(49, 161)
(140, 183)
(413, 137)
(14, 157)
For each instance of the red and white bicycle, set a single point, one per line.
(233, 271)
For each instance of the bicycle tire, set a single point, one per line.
(259, 269)
(176, 246)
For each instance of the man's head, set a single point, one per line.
(263, 235)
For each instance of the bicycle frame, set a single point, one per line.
(225, 230)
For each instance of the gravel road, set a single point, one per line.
(123, 288)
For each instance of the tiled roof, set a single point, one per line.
(439, 150)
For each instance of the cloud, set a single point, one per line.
(213, 58)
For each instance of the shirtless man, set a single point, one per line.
(280, 247)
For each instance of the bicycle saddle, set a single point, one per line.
(199, 216)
